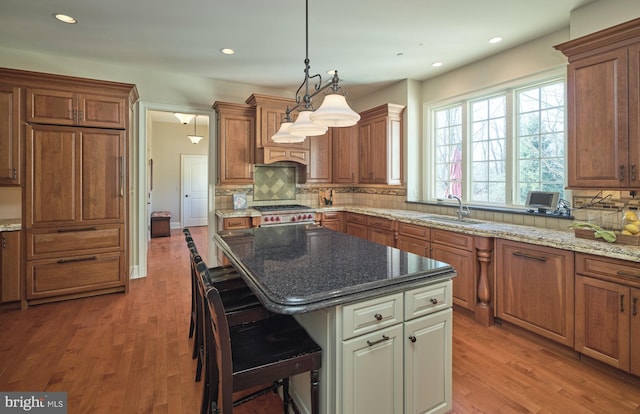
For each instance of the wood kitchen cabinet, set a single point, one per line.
(535, 289)
(414, 239)
(608, 311)
(345, 154)
(75, 196)
(236, 142)
(269, 113)
(10, 267)
(320, 168)
(603, 104)
(66, 107)
(333, 220)
(380, 145)
(356, 225)
(10, 133)
(457, 249)
(376, 229)
(232, 223)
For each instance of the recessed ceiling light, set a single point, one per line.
(496, 39)
(228, 51)
(436, 64)
(64, 18)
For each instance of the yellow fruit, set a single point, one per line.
(632, 228)
(626, 233)
(630, 216)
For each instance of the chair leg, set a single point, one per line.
(315, 394)
(285, 395)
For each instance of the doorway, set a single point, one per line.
(194, 190)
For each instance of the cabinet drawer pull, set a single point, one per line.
(634, 312)
(433, 301)
(621, 303)
(384, 338)
(76, 229)
(378, 317)
(412, 338)
(528, 256)
(80, 259)
(621, 273)
(121, 177)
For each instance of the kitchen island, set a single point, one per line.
(381, 315)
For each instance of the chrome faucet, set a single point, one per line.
(462, 211)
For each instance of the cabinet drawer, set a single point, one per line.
(356, 218)
(332, 215)
(449, 238)
(428, 299)
(237, 223)
(73, 275)
(380, 223)
(362, 317)
(606, 268)
(412, 230)
(53, 242)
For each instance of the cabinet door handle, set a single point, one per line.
(121, 177)
(76, 229)
(621, 303)
(412, 338)
(15, 173)
(74, 114)
(633, 172)
(634, 312)
(79, 259)
(80, 116)
(384, 338)
(4, 241)
(621, 273)
(621, 173)
(528, 256)
(378, 317)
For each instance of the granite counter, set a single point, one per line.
(10, 224)
(302, 268)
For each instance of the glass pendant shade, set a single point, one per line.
(184, 118)
(335, 112)
(304, 127)
(283, 136)
(195, 138)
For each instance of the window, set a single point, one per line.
(494, 149)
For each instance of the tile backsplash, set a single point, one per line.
(272, 183)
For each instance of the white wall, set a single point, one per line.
(10, 202)
(602, 14)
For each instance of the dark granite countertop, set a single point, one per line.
(301, 268)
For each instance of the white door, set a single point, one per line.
(194, 190)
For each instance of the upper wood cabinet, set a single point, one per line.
(10, 132)
(269, 113)
(603, 93)
(380, 145)
(345, 154)
(236, 141)
(63, 107)
(320, 165)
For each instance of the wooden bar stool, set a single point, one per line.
(245, 356)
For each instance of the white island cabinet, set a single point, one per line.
(390, 354)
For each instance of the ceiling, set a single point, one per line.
(370, 42)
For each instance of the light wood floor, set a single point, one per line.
(131, 354)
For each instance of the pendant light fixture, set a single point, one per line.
(195, 138)
(184, 118)
(334, 111)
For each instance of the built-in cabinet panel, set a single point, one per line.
(457, 250)
(10, 133)
(320, 168)
(535, 289)
(380, 145)
(345, 154)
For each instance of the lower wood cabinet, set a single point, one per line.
(535, 289)
(414, 239)
(608, 311)
(10, 266)
(75, 276)
(229, 223)
(333, 220)
(457, 250)
(376, 229)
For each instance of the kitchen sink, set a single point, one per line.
(453, 220)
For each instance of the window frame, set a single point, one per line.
(509, 90)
